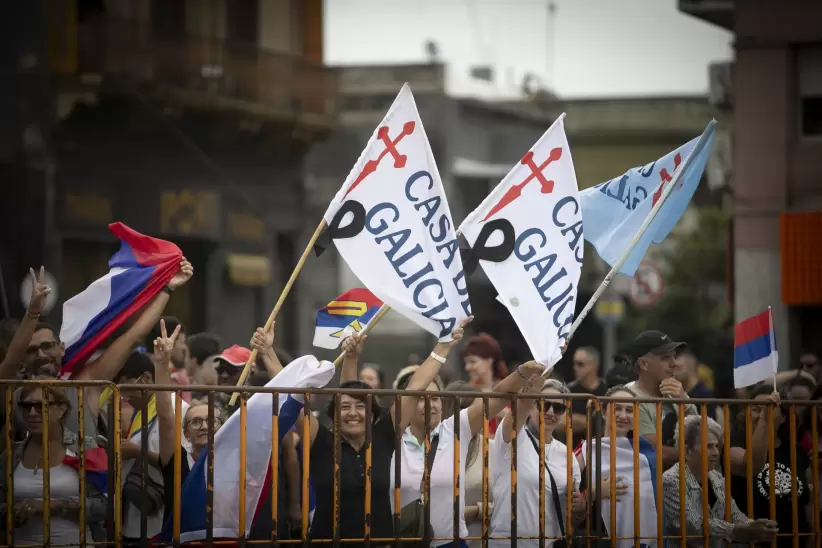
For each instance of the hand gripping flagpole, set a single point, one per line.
(380, 313)
(678, 174)
(280, 301)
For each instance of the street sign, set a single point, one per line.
(646, 285)
(610, 310)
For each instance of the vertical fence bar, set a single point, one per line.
(590, 489)
(337, 460)
(142, 462)
(542, 487)
(485, 463)
(44, 407)
(771, 468)
(9, 434)
(398, 431)
(306, 444)
(81, 456)
(569, 455)
(514, 441)
(178, 464)
(426, 473)
(368, 434)
(637, 529)
(683, 517)
(706, 508)
(117, 466)
(456, 480)
(794, 479)
(815, 471)
(241, 527)
(612, 472)
(210, 473)
(726, 459)
(749, 462)
(275, 466)
(660, 530)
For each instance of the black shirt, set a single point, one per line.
(700, 391)
(168, 482)
(783, 488)
(352, 483)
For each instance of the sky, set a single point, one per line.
(588, 48)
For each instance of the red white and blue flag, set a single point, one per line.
(349, 313)
(755, 354)
(138, 271)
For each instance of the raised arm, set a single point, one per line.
(427, 372)
(163, 347)
(263, 343)
(532, 386)
(510, 384)
(16, 352)
(353, 347)
(106, 367)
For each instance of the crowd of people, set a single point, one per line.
(556, 464)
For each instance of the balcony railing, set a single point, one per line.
(211, 71)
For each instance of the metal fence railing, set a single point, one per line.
(608, 519)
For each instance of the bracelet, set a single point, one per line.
(167, 289)
(437, 357)
(33, 315)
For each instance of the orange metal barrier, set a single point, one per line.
(704, 524)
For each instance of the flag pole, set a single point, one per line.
(380, 313)
(642, 229)
(774, 357)
(280, 301)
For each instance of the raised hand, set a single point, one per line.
(459, 332)
(261, 340)
(184, 275)
(39, 291)
(531, 368)
(164, 345)
(354, 344)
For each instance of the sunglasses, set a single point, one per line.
(557, 407)
(27, 406)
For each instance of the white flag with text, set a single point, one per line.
(527, 235)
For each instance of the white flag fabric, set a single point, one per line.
(391, 223)
(527, 235)
(304, 372)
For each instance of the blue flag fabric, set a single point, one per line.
(613, 211)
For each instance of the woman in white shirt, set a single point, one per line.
(619, 421)
(442, 471)
(528, 466)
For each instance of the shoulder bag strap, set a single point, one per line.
(554, 490)
(429, 461)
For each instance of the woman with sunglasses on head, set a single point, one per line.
(29, 459)
(528, 466)
(442, 436)
(619, 484)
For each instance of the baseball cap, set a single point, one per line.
(655, 342)
(235, 355)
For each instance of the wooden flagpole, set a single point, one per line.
(280, 301)
(641, 232)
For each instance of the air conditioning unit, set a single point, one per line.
(721, 84)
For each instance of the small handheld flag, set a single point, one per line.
(349, 313)
(755, 354)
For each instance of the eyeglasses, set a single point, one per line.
(199, 423)
(557, 407)
(45, 346)
(27, 406)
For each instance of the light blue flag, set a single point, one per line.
(613, 211)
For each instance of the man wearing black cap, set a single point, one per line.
(654, 354)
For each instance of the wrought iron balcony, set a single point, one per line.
(212, 73)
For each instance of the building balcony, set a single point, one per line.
(208, 73)
(717, 12)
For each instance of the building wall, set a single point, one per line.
(775, 168)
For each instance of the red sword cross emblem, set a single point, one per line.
(546, 186)
(390, 148)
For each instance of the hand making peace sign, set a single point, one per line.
(40, 291)
(164, 345)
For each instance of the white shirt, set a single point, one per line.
(442, 476)
(528, 466)
(64, 484)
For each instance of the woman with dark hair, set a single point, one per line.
(783, 477)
